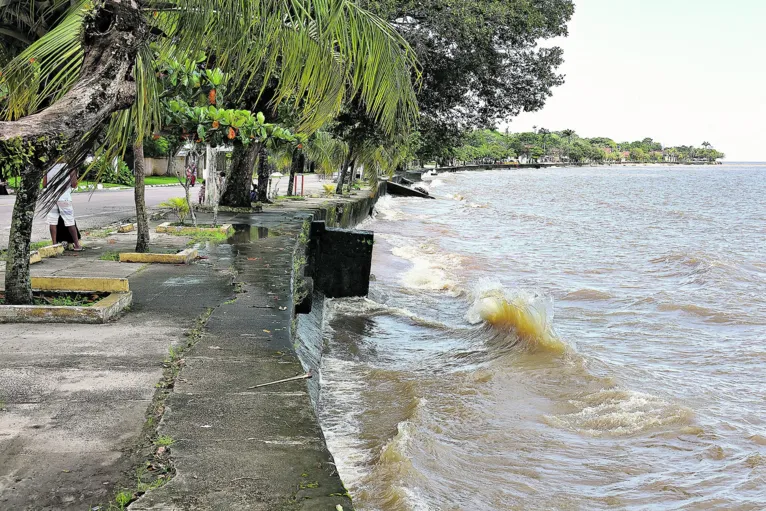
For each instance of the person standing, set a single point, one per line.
(63, 207)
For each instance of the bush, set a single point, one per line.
(178, 206)
(106, 173)
(156, 148)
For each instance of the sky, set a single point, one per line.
(679, 71)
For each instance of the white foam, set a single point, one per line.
(618, 412)
(432, 270)
(387, 209)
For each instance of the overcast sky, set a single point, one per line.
(678, 71)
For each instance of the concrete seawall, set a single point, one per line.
(238, 446)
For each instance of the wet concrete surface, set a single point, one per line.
(74, 397)
(238, 447)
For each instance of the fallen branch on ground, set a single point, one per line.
(294, 378)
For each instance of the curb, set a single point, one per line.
(100, 312)
(51, 250)
(183, 257)
(171, 229)
(98, 284)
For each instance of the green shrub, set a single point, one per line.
(156, 148)
(178, 206)
(106, 173)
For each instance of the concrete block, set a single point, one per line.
(127, 227)
(100, 312)
(183, 257)
(98, 284)
(174, 229)
(340, 260)
(51, 250)
(34, 257)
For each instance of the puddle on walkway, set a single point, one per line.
(182, 281)
(244, 233)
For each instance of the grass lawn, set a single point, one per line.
(105, 185)
(13, 182)
(161, 180)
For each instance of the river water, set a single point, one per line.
(573, 338)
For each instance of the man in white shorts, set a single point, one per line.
(63, 206)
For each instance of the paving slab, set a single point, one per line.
(75, 396)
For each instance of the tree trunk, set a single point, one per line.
(263, 174)
(110, 39)
(18, 287)
(351, 173)
(211, 183)
(142, 232)
(296, 166)
(240, 179)
(342, 176)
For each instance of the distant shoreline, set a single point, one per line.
(498, 166)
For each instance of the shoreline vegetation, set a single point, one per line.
(565, 147)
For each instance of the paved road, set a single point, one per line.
(91, 210)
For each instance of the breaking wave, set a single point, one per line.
(528, 317)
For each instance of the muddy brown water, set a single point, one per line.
(653, 282)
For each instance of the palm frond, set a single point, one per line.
(47, 69)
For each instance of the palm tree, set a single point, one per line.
(61, 88)
(544, 132)
(707, 145)
(569, 134)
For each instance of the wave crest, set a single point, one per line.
(529, 317)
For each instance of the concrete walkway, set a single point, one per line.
(77, 401)
(75, 396)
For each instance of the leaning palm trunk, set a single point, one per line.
(18, 287)
(104, 86)
(139, 193)
(342, 176)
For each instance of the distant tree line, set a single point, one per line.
(565, 146)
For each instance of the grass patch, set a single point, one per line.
(164, 441)
(110, 256)
(39, 244)
(100, 233)
(59, 299)
(203, 236)
(161, 180)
